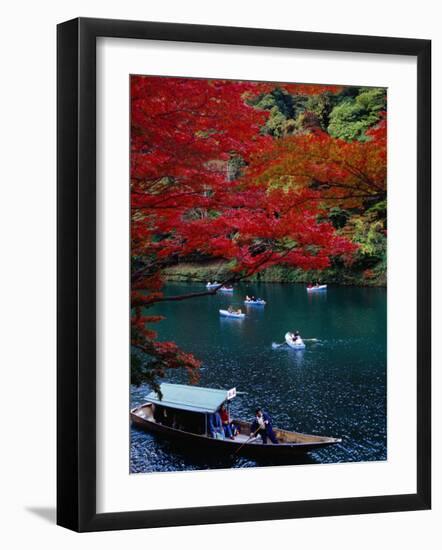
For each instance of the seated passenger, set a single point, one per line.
(216, 426)
(226, 422)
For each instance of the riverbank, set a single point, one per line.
(210, 271)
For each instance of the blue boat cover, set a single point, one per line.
(191, 398)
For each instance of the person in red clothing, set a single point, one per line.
(226, 422)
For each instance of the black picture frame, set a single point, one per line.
(76, 272)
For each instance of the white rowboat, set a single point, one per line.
(299, 344)
(316, 288)
(234, 315)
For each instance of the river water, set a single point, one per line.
(335, 387)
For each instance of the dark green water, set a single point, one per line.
(335, 387)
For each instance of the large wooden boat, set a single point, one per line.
(182, 415)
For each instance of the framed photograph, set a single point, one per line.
(243, 274)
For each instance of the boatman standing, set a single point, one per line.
(262, 425)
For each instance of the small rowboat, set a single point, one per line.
(316, 288)
(226, 289)
(299, 344)
(213, 285)
(183, 414)
(258, 302)
(233, 314)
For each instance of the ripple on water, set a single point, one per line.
(336, 386)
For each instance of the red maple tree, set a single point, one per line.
(187, 207)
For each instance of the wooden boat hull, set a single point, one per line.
(302, 443)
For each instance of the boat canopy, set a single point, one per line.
(191, 398)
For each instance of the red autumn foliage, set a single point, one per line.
(185, 207)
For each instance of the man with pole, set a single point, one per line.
(262, 425)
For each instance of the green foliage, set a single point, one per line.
(368, 231)
(284, 110)
(307, 121)
(369, 235)
(338, 217)
(346, 115)
(352, 117)
(321, 105)
(379, 210)
(235, 167)
(277, 123)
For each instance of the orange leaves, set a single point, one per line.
(347, 171)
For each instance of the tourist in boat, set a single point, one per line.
(296, 336)
(262, 425)
(227, 426)
(248, 299)
(239, 311)
(216, 426)
(230, 309)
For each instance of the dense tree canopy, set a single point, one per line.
(350, 172)
(351, 119)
